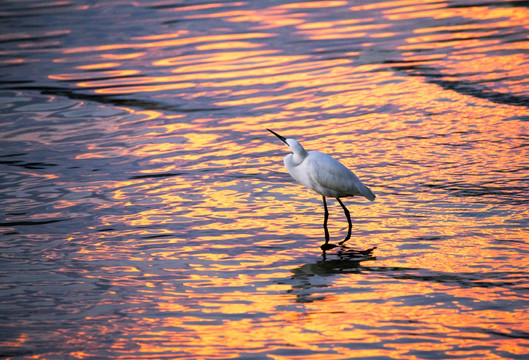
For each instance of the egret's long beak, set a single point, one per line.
(279, 136)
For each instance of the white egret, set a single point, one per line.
(325, 175)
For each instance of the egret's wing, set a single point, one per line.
(329, 173)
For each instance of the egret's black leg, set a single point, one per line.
(326, 246)
(326, 217)
(348, 220)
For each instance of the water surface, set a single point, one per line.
(146, 213)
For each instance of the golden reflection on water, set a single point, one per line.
(214, 249)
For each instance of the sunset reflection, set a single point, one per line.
(148, 213)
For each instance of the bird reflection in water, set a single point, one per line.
(327, 176)
(308, 278)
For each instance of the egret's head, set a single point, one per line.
(294, 145)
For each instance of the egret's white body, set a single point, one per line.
(325, 175)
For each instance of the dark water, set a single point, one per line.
(146, 213)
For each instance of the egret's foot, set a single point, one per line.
(328, 246)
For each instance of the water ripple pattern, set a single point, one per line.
(146, 212)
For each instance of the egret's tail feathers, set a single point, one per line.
(369, 194)
(365, 192)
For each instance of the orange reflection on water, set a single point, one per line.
(390, 4)
(329, 31)
(98, 66)
(219, 59)
(235, 240)
(228, 45)
(168, 42)
(206, 6)
(329, 326)
(123, 56)
(142, 88)
(313, 5)
(106, 73)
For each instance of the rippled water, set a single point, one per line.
(146, 213)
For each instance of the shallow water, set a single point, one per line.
(146, 213)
